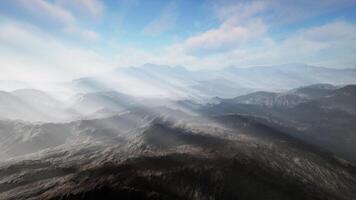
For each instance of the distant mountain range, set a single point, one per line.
(321, 114)
(141, 155)
(225, 83)
(158, 132)
(152, 80)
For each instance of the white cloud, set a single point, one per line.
(227, 36)
(27, 53)
(90, 35)
(331, 32)
(93, 8)
(45, 11)
(240, 12)
(314, 43)
(51, 15)
(240, 24)
(276, 12)
(331, 45)
(242, 38)
(164, 22)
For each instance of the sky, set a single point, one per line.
(42, 40)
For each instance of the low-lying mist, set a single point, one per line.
(159, 132)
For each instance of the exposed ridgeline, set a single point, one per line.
(321, 114)
(113, 92)
(262, 145)
(223, 157)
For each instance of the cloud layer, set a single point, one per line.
(63, 39)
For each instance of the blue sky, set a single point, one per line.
(64, 39)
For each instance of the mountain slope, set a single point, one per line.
(89, 103)
(32, 105)
(189, 163)
(325, 117)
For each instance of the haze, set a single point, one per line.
(60, 40)
(177, 99)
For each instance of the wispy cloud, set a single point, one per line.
(52, 15)
(92, 8)
(164, 22)
(311, 45)
(335, 39)
(90, 35)
(28, 53)
(239, 13)
(242, 38)
(84, 36)
(226, 37)
(276, 12)
(43, 11)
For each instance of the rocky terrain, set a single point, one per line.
(258, 146)
(320, 114)
(222, 157)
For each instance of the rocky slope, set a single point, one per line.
(319, 114)
(230, 157)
